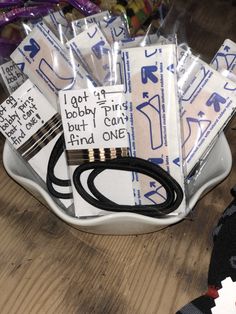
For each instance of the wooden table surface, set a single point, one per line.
(47, 266)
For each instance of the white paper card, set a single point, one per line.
(93, 119)
(23, 113)
(32, 126)
(151, 92)
(12, 76)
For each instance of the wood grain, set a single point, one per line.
(48, 267)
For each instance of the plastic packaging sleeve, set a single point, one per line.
(94, 52)
(48, 64)
(208, 102)
(32, 126)
(58, 23)
(225, 60)
(114, 28)
(79, 25)
(154, 134)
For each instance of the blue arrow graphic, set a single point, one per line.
(177, 161)
(21, 66)
(171, 68)
(227, 48)
(33, 48)
(152, 184)
(99, 49)
(147, 73)
(201, 114)
(216, 100)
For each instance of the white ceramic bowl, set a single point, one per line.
(217, 167)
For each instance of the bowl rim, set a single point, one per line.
(94, 221)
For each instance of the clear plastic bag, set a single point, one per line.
(128, 106)
(101, 127)
(15, 25)
(225, 60)
(110, 125)
(32, 126)
(207, 106)
(207, 97)
(28, 120)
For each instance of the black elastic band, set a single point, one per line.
(57, 151)
(174, 193)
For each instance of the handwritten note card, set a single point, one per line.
(94, 118)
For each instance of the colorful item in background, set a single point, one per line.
(20, 8)
(158, 16)
(86, 7)
(14, 12)
(137, 12)
(10, 3)
(24, 12)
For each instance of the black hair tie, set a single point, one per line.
(57, 151)
(174, 193)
